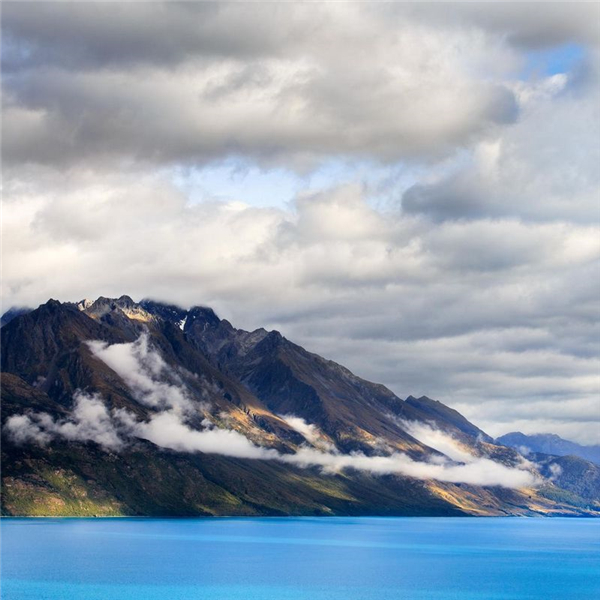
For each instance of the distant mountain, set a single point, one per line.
(571, 474)
(549, 443)
(114, 407)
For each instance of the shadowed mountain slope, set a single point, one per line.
(164, 381)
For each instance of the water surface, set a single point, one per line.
(301, 559)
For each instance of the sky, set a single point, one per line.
(411, 190)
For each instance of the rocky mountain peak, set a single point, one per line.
(168, 312)
(84, 304)
(53, 309)
(124, 305)
(203, 316)
(269, 342)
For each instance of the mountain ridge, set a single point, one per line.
(321, 433)
(550, 443)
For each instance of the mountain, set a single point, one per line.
(549, 443)
(12, 313)
(114, 407)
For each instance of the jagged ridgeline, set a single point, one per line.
(112, 407)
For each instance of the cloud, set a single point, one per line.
(310, 432)
(23, 429)
(144, 371)
(288, 86)
(521, 22)
(477, 314)
(483, 471)
(88, 421)
(168, 431)
(110, 35)
(438, 440)
(457, 246)
(555, 471)
(157, 386)
(524, 172)
(91, 36)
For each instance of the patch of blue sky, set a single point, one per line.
(235, 180)
(552, 61)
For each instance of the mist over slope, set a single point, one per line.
(118, 407)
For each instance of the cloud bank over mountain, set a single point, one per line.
(442, 236)
(144, 371)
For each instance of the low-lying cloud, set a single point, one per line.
(89, 421)
(310, 432)
(438, 440)
(144, 372)
(140, 365)
(482, 471)
(168, 430)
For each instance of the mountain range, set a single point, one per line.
(116, 407)
(549, 443)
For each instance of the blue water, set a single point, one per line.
(300, 559)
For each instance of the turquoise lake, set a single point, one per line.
(301, 559)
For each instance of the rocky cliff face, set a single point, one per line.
(117, 407)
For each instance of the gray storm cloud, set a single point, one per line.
(139, 366)
(292, 84)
